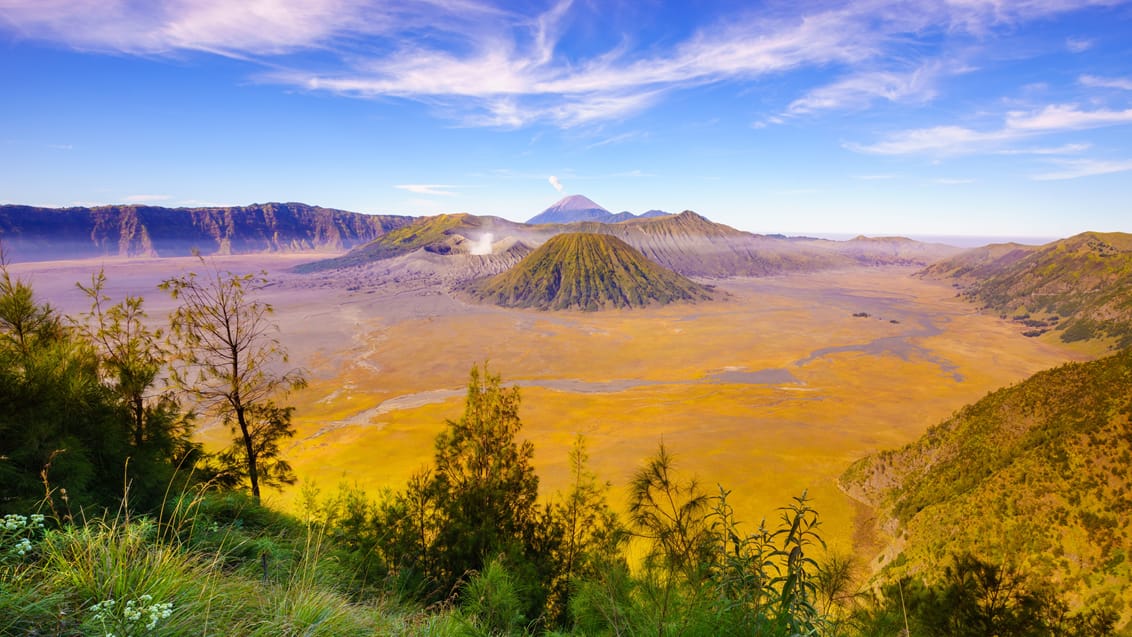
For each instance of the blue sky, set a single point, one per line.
(917, 117)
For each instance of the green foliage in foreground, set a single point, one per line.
(221, 564)
(78, 412)
(188, 574)
(95, 405)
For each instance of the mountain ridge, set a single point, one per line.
(687, 243)
(1038, 469)
(1079, 287)
(31, 233)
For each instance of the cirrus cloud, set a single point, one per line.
(1074, 169)
(428, 189)
(499, 65)
(1017, 125)
(1123, 83)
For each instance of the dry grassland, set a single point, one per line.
(774, 390)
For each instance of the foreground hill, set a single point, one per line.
(39, 234)
(586, 271)
(1080, 286)
(1035, 475)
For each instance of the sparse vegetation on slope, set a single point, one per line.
(1080, 286)
(588, 272)
(440, 235)
(419, 234)
(1034, 475)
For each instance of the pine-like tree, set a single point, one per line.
(59, 425)
(226, 355)
(485, 487)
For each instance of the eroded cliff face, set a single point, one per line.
(37, 234)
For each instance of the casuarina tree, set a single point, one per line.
(226, 354)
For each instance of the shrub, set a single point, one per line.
(493, 599)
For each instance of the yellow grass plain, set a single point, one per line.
(772, 390)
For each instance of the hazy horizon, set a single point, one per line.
(957, 240)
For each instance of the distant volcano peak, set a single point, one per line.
(576, 202)
(570, 209)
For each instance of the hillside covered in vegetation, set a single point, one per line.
(116, 521)
(1035, 475)
(1080, 287)
(586, 271)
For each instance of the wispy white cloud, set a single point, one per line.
(1061, 117)
(618, 139)
(249, 27)
(1074, 169)
(1078, 45)
(514, 82)
(485, 64)
(981, 16)
(595, 108)
(937, 140)
(147, 198)
(554, 182)
(1066, 149)
(428, 189)
(959, 140)
(861, 90)
(1123, 83)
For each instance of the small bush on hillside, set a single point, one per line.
(494, 601)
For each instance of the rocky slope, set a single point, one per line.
(1080, 287)
(444, 235)
(696, 246)
(586, 271)
(686, 243)
(36, 234)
